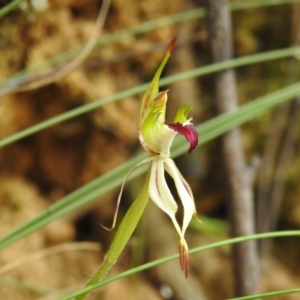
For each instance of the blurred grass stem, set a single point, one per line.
(239, 197)
(124, 232)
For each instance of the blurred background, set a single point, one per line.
(38, 170)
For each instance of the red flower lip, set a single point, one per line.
(189, 133)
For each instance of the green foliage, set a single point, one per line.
(208, 131)
(195, 250)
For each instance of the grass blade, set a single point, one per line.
(96, 188)
(194, 250)
(243, 61)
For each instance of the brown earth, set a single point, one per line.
(44, 167)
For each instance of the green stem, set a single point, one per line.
(9, 7)
(266, 235)
(123, 234)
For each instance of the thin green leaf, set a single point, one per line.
(21, 284)
(96, 188)
(21, 76)
(9, 7)
(243, 61)
(157, 262)
(189, 15)
(239, 5)
(123, 234)
(268, 295)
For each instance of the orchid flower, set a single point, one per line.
(156, 138)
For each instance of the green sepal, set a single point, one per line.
(151, 129)
(153, 88)
(181, 115)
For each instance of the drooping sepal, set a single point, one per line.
(153, 88)
(184, 191)
(159, 191)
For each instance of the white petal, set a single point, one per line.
(158, 138)
(177, 227)
(186, 185)
(184, 192)
(158, 189)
